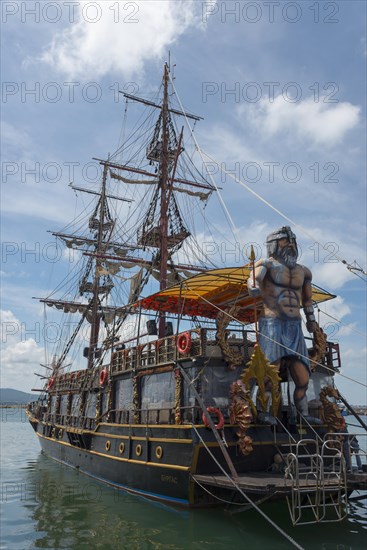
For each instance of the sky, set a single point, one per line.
(282, 90)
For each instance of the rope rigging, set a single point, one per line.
(202, 153)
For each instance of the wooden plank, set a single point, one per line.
(262, 482)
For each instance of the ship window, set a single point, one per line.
(53, 404)
(123, 395)
(215, 382)
(64, 404)
(75, 405)
(158, 391)
(91, 405)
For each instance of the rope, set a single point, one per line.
(341, 322)
(229, 502)
(279, 212)
(235, 484)
(259, 197)
(226, 211)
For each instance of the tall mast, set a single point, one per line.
(95, 321)
(164, 188)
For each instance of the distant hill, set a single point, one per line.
(8, 395)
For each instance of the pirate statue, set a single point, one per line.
(284, 286)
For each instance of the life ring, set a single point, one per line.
(220, 422)
(102, 377)
(51, 382)
(184, 343)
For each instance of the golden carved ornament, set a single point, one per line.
(230, 356)
(240, 414)
(260, 370)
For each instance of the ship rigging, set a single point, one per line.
(198, 402)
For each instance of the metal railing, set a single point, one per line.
(318, 482)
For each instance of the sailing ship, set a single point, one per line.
(164, 400)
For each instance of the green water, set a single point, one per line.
(48, 505)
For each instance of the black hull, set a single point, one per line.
(172, 464)
(168, 478)
(141, 479)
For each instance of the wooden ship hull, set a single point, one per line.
(158, 445)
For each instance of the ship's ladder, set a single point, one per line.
(317, 476)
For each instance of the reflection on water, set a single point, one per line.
(73, 511)
(48, 505)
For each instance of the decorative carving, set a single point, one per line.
(332, 414)
(98, 407)
(68, 408)
(178, 396)
(136, 399)
(318, 351)
(260, 370)
(240, 413)
(57, 404)
(230, 356)
(109, 402)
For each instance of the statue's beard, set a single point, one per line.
(287, 256)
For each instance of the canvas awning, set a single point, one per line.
(205, 294)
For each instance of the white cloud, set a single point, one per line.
(18, 363)
(320, 123)
(15, 137)
(336, 308)
(126, 34)
(19, 356)
(331, 275)
(346, 330)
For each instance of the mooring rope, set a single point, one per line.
(235, 484)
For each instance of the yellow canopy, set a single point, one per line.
(205, 294)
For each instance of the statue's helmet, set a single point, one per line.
(272, 239)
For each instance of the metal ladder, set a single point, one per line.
(318, 482)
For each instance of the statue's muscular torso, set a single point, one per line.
(282, 288)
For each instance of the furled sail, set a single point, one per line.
(135, 182)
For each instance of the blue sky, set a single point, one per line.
(281, 87)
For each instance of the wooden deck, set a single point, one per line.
(265, 483)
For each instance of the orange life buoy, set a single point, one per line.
(220, 422)
(51, 382)
(102, 377)
(184, 343)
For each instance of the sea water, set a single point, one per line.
(47, 505)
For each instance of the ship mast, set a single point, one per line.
(95, 317)
(163, 250)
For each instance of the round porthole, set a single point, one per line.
(159, 452)
(138, 450)
(107, 445)
(122, 448)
